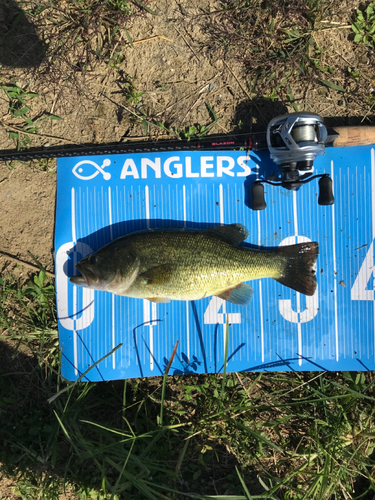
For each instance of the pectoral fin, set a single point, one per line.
(159, 275)
(241, 294)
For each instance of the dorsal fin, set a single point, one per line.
(236, 233)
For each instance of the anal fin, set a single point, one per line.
(241, 294)
(161, 300)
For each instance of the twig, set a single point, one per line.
(221, 126)
(165, 383)
(171, 359)
(54, 104)
(153, 38)
(239, 83)
(308, 382)
(188, 96)
(216, 12)
(144, 138)
(243, 386)
(24, 263)
(188, 44)
(245, 92)
(196, 103)
(351, 65)
(20, 131)
(331, 22)
(336, 27)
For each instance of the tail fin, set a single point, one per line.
(299, 271)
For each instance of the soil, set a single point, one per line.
(176, 63)
(7, 490)
(179, 72)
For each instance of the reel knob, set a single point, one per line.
(257, 196)
(325, 191)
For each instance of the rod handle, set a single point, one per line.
(354, 136)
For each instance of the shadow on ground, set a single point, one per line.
(20, 46)
(255, 115)
(35, 450)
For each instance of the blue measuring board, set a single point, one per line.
(100, 198)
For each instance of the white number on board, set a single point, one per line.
(79, 319)
(212, 314)
(358, 291)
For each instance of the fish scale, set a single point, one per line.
(184, 264)
(202, 264)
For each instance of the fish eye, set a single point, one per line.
(93, 259)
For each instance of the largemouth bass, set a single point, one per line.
(184, 264)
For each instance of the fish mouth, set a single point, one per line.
(87, 278)
(78, 280)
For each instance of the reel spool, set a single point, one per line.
(294, 141)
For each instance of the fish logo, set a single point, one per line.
(79, 171)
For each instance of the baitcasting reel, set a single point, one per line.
(294, 141)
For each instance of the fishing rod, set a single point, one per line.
(294, 141)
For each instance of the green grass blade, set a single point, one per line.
(129, 37)
(225, 358)
(143, 6)
(333, 86)
(52, 398)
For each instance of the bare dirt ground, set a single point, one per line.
(179, 72)
(177, 61)
(6, 490)
(177, 79)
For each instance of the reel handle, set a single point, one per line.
(325, 191)
(257, 196)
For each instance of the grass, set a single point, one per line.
(364, 26)
(79, 35)
(274, 39)
(23, 126)
(283, 45)
(270, 435)
(290, 436)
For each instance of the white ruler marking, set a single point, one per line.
(299, 326)
(184, 202)
(373, 211)
(74, 236)
(113, 332)
(147, 317)
(260, 298)
(74, 239)
(147, 202)
(75, 347)
(224, 309)
(187, 303)
(113, 297)
(334, 272)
